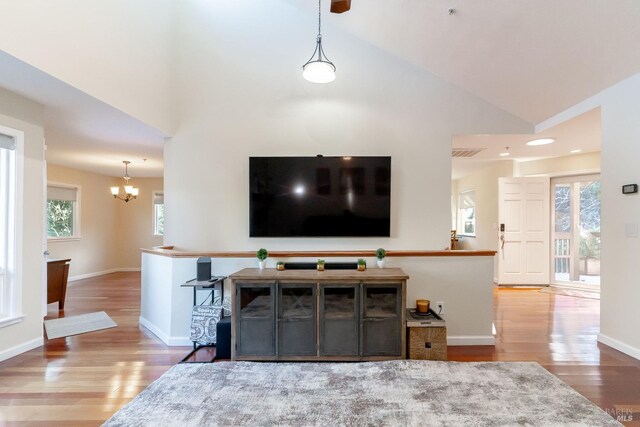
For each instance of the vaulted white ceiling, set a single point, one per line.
(532, 58)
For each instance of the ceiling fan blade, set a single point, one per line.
(339, 6)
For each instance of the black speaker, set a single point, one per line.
(204, 269)
(327, 265)
(223, 338)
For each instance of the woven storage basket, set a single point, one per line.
(428, 343)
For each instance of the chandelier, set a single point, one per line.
(130, 192)
(319, 69)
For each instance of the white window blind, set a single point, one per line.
(7, 142)
(467, 200)
(62, 193)
(158, 198)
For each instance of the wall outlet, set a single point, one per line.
(440, 307)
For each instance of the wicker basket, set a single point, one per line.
(428, 343)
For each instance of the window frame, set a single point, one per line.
(154, 212)
(461, 220)
(77, 229)
(11, 310)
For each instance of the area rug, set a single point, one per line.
(74, 325)
(394, 393)
(570, 292)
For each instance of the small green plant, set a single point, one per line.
(320, 262)
(279, 263)
(361, 261)
(262, 254)
(381, 253)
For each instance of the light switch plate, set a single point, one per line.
(631, 230)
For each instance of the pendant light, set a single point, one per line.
(318, 68)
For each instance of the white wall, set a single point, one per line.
(620, 293)
(97, 248)
(462, 283)
(22, 114)
(118, 51)
(485, 184)
(566, 165)
(112, 232)
(135, 223)
(231, 108)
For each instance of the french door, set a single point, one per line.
(575, 225)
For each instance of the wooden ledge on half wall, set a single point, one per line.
(173, 252)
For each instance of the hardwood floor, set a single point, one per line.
(83, 380)
(560, 332)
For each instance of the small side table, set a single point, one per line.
(204, 285)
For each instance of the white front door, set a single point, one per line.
(523, 254)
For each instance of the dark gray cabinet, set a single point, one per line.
(255, 303)
(339, 319)
(309, 315)
(381, 319)
(297, 319)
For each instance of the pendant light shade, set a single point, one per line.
(318, 68)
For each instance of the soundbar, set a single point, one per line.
(327, 265)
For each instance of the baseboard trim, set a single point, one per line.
(620, 346)
(471, 340)
(21, 348)
(100, 273)
(168, 340)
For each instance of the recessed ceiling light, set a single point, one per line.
(505, 153)
(541, 141)
(575, 151)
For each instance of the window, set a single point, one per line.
(158, 213)
(63, 219)
(467, 213)
(10, 225)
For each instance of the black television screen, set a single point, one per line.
(320, 196)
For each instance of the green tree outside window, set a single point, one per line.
(59, 218)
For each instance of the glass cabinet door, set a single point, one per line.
(339, 325)
(297, 319)
(381, 319)
(256, 321)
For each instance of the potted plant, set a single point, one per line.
(262, 255)
(380, 254)
(280, 266)
(320, 265)
(362, 264)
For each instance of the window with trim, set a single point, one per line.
(9, 292)
(467, 213)
(158, 213)
(63, 217)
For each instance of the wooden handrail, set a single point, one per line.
(170, 251)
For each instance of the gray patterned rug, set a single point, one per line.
(405, 393)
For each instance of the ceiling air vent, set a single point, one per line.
(465, 152)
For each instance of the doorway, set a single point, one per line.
(575, 225)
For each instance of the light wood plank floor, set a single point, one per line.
(83, 380)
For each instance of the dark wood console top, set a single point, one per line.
(272, 274)
(172, 252)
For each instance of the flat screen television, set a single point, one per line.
(320, 196)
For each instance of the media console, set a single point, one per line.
(309, 315)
